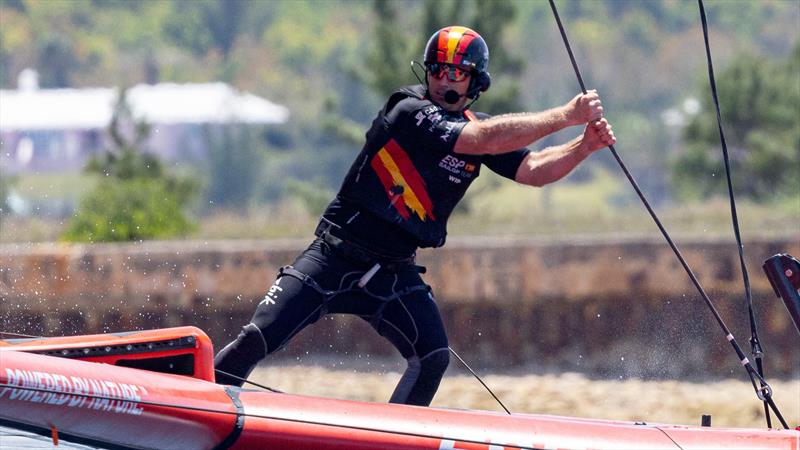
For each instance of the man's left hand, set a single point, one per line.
(598, 134)
(584, 108)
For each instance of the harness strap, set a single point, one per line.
(377, 316)
(309, 280)
(306, 279)
(327, 295)
(330, 233)
(405, 291)
(312, 283)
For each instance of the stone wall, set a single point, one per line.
(612, 307)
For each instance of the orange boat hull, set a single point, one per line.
(125, 407)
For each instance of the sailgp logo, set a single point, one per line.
(458, 167)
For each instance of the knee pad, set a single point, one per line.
(251, 342)
(421, 379)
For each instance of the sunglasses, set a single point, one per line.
(453, 72)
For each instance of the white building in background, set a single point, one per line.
(59, 129)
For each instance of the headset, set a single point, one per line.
(479, 82)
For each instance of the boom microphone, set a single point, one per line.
(452, 97)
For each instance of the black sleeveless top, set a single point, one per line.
(405, 183)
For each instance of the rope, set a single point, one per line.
(764, 392)
(755, 346)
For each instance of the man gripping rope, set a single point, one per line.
(422, 152)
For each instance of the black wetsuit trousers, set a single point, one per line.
(398, 305)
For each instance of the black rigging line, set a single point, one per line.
(478, 378)
(764, 391)
(11, 335)
(755, 346)
(244, 380)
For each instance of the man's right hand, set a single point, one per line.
(584, 108)
(597, 135)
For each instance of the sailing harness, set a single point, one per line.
(327, 295)
(330, 233)
(762, 389)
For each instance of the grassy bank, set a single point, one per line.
(290, 220)
(493, 207)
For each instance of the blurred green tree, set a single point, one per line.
(135, 198)
(491, 20)
(390, 52)
(236, 159)
(760, 106)
(128, 210)
(206, 25)
(312, 195)
(6, 182)
(57, 61)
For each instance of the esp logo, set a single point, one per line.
(454, 162)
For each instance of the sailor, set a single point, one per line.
(423, 150)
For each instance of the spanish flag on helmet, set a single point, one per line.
(460, 46)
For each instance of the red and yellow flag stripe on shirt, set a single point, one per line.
(456, 43)
(394, 168)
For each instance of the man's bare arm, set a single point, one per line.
(554, 163)
(509, 132)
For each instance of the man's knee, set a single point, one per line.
(241, 355)
(436, 362)
(422, 378)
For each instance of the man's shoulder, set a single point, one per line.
(417, 91)
(407, 98)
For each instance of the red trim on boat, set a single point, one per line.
(128, 407)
